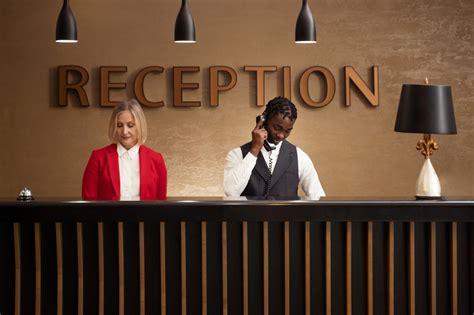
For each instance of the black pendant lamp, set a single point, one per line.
(66, 30)
(184, 30)
(305, 32)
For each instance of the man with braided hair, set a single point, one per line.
(269, 166)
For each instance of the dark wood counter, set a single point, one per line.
(202, 209)
(210, 256)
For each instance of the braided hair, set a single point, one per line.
(280, 105)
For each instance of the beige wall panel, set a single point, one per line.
(354, 149)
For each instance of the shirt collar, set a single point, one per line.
(132, 152)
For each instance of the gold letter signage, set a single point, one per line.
(64, 86)
(260, 77)
(215, 88)
(179, 86)
(221, 79)
(352, 76)
(140, 91)
(330, 84)
(106, 85)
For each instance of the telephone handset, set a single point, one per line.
(267, 145)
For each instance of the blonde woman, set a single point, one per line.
(125, 169)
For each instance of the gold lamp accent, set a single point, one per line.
(427, 145)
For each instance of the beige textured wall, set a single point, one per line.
(354, 148)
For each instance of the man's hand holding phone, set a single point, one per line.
(259, 135)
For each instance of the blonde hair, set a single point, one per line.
(135, 109)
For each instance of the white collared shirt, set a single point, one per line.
(129, 169)
(238, 169)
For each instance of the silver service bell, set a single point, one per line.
(25, 195)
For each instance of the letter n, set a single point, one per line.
(350, 75)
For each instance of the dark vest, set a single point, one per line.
(283, 182)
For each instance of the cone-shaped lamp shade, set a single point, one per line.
(426, 109)
(66, 31)
(184, 30)
(305, 32)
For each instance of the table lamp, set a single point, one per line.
(426, 109)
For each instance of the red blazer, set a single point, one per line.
(101, 179)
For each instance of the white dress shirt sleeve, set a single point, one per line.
(309, 179)
(237, 171)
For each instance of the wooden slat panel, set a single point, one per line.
(349, 268)
(100, 241)
(80, 270)
(183, 268)
(121, 268)
(433, 268)
(163, 268)
(225, 299)
(141, 246)
(328, 268)
(17, 245)
(370, 268)
(454, 268)
(391, 269)
(245, 267)
(37, 268)
(204, 266)
(265, 269)
(412, 270)
(307, 266)
(59, 258)
(287, 266)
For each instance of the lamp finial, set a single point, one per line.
(426, 80)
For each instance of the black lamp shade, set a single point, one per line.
(305, 31)
(66, 30)
(184, 30)
(426, 109)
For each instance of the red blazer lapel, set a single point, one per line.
(144, 173)
(112, 162)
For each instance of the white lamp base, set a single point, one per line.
(427, 185)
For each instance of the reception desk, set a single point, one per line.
(189, 256)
